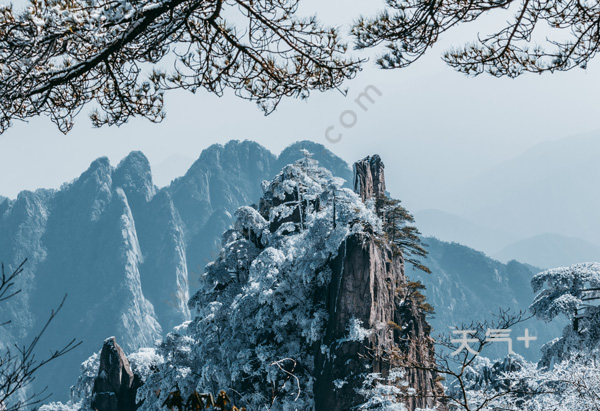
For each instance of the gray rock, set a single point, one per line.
(116, 385)
(368, 288)
(369, 178)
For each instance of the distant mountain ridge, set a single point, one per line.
(550, 250)
(466, 285)
(544, 250)
(450, 227)
(552, 187)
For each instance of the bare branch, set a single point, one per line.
(18, 366)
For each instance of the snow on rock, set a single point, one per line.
(383, 393)
(73, 240)
(262, 310)
(116, 385)
(92, 240)
(81, 392)
(257, 314)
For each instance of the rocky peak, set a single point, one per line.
(116, 385)
(367, 300)
(99, 172)
(369, 180)
(133, 174)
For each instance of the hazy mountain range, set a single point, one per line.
(550, 250)
(544, 250)
(466, 285)
(128, 253)
(550, 188)
(547, 196)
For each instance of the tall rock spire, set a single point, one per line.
(369, 179)
(368, 297)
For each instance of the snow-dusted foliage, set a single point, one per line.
(568, 375)
(81, 392)
(258, 315)
(385, 393)
(515, 384)
(59, 55)
(574, 292)
(572, 384)
(485, 384)
(564, 289)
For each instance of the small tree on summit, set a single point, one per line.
(402, 234)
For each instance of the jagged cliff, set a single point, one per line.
(369, 285)
(125, 251)
(301, 308)
(95, 236)
(116, 385)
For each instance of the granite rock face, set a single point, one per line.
(116, 385)
(126, 252)
(369, 178)
(369, 291)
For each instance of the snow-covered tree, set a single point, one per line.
(568, 375)
(515, 384)
(58, 55)
(573, 292)
(409, 28)
(258, 315)
(563, 290)
(469, 385)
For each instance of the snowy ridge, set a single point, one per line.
(72, 239)
(252, 322)
(138, 320)
(85, 240)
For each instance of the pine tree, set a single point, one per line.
(402, 234)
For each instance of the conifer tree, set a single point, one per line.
(402, 234)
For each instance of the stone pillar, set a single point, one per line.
(115, 387)
(369, 179)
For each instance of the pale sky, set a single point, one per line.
(432, 126)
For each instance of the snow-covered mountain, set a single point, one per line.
(129, 254)
(83, 240)
(123, 250)
(306, 285)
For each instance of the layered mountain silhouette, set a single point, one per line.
(129, 254)
(550, 250)
(552, 187)
(466, 285)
